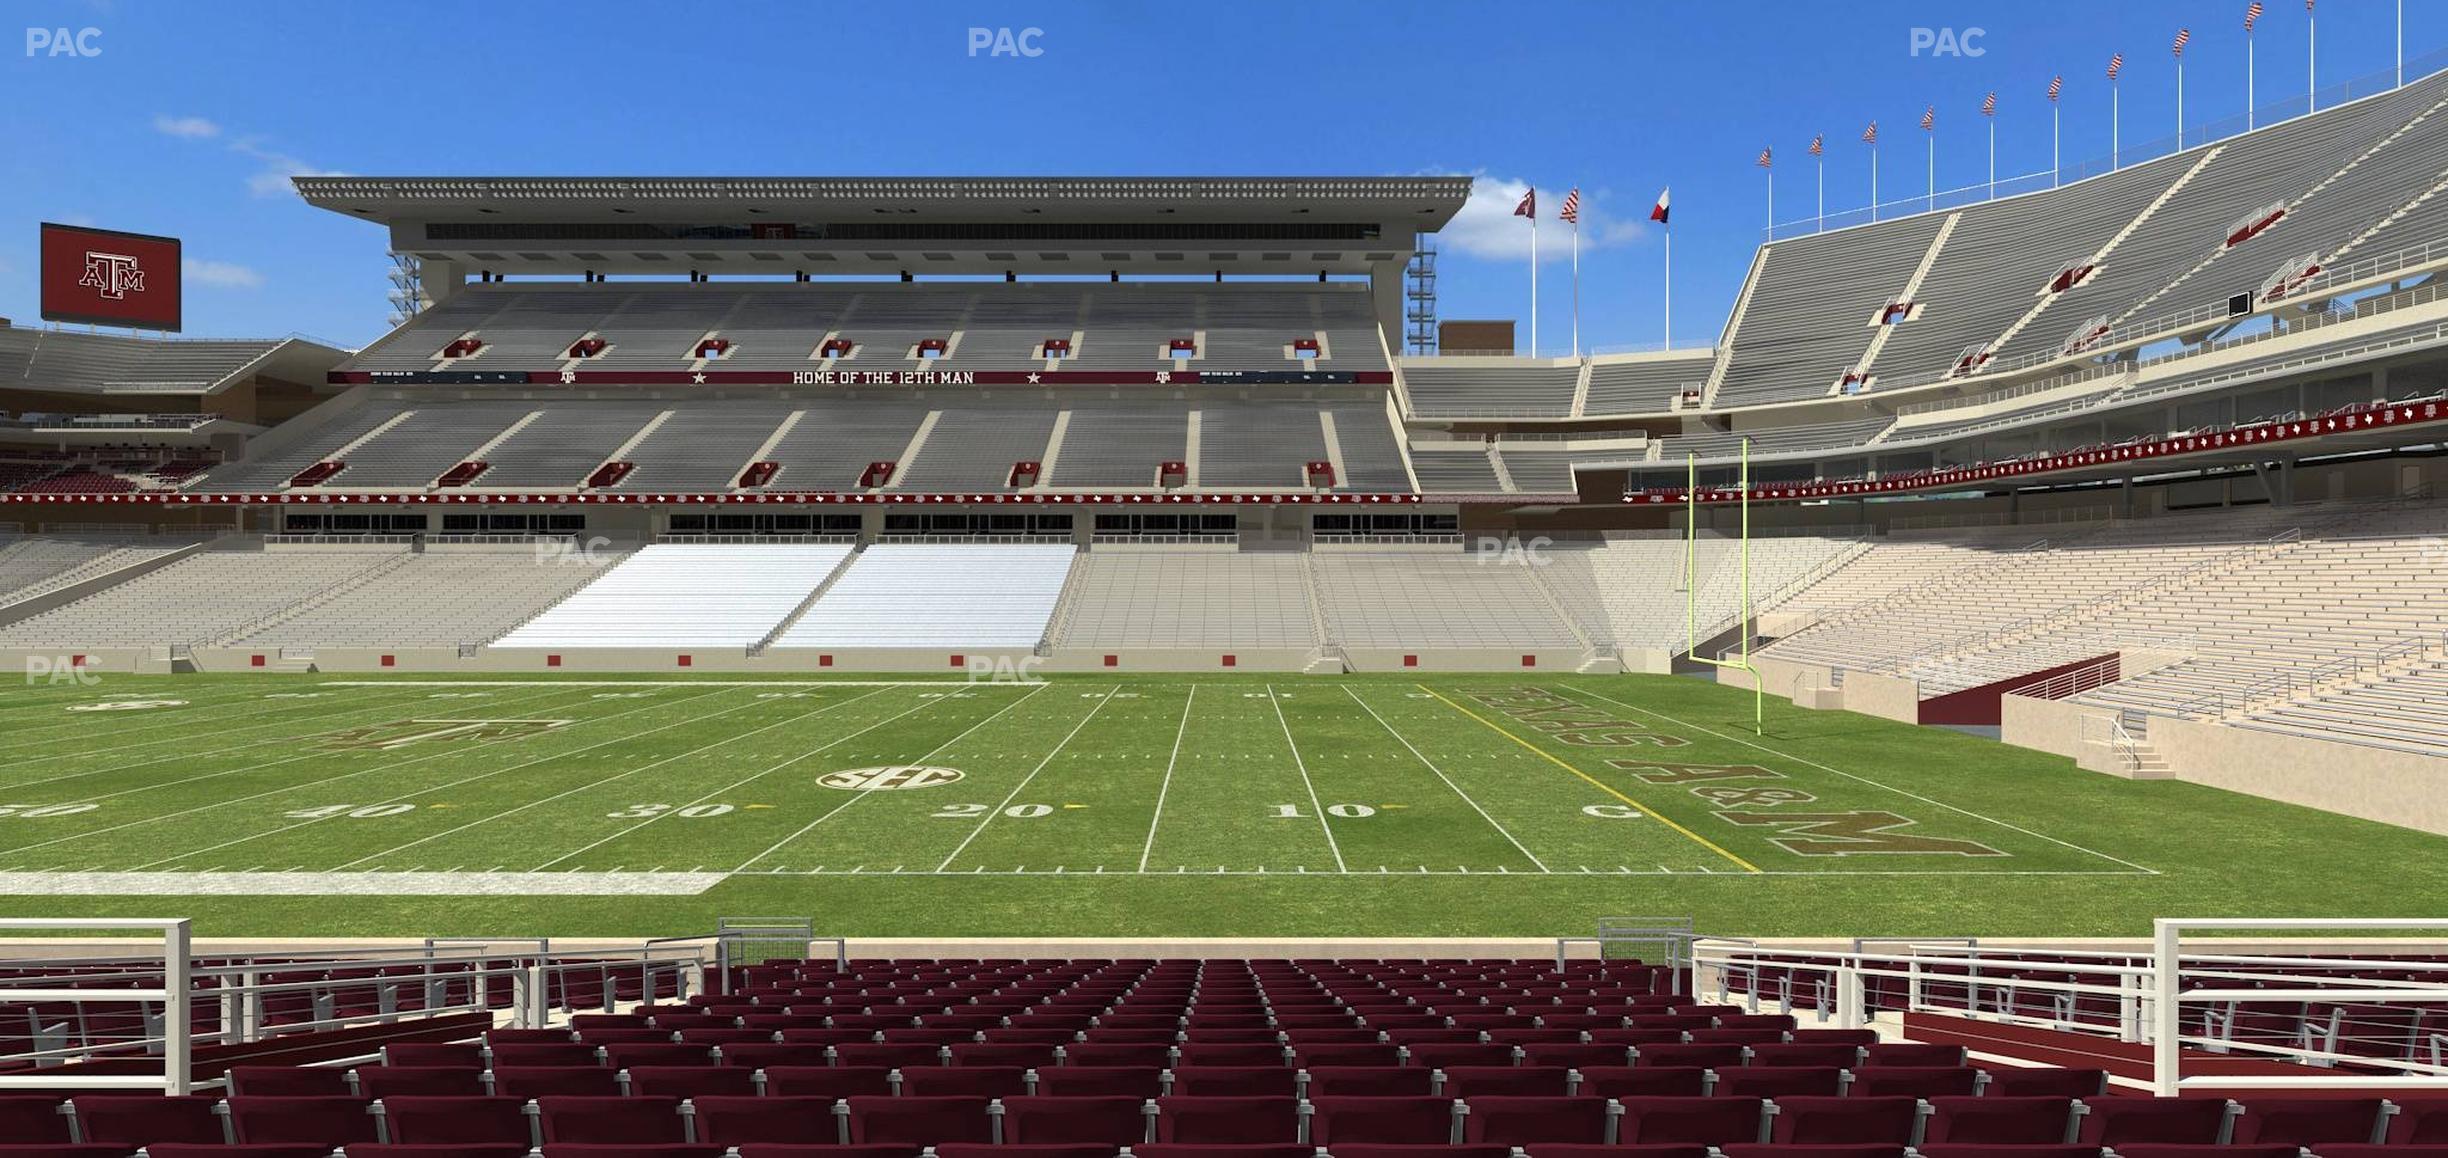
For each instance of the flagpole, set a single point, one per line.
(2248, 78)
(2311, 60)
(2115, 116)
(1772, 205)
(1933, 168)
(2054, 125)
(1576, 278)
(1993, 156)
(1668, 229)
(1821, 164)
(1874, 180)
(1534, 280)
(2180, 102)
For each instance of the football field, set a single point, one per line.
(326, 805)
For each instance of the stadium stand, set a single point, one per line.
(1188, 598)
(701, 447)
(208, 597)
(1812, 313)
(33, 564)
(985, 326)
(1631, 591)
(1643, 384)
(657, 597)
(1107, 447)
(1421, 600)
(66, 361)
(439, 598)
(979, 595)
(1454, 388)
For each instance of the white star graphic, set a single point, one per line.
(698, 377)
(1033, 379)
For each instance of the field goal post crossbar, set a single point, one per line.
(175, 1039)
(1745, 620)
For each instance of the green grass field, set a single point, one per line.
(1213, 806)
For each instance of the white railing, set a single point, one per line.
(2309, 1006)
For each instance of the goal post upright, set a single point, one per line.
(1691, 582)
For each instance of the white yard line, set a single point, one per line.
(1166, 788)
(623, 738)
(1873, 783)
(1440, 774)
(1014, 794)
(1311, 785)
(855, 797)
(592, 785)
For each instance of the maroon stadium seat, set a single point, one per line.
(2308, 1121)
(32, 1118)
(964, 1082)
(2419, 1121)
(2115, 1122)
(926, 1121)
(731, 1121)
(145, 1119)
(1912, 1053)
(1643, 1081)
(2039, 1082)
(1372, 1082)
(1914, 1081)
(630, 1150)
(526, 1054)
(2000, 1121)
(440, 1120)
(241, 1150)
(1380, 1120)
(1173, 1150)
(689, 1081)
(427, 1081)
(624, 1121)
(1708, 1121)
(1117, 1121)
(1844, 1121)
(1257, 1120)
(452, 1150)
(327, 1121)
(827, 1081)
(289, 1082)
(1106, 1081)
(555, 1081)
(1505, 1081)
(1236, 1081)
(1519, 1121)
(1779, 1082)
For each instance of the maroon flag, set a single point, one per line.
(1657, 212)
(1529, 205)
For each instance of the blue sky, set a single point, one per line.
(193, 114)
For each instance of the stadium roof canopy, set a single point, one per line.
(920, 225)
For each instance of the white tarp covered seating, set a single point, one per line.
(685, 595)
(983, 595)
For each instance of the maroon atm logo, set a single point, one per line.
(106, 278)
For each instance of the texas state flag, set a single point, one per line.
(1658, 213)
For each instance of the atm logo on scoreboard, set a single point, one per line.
(112, 275)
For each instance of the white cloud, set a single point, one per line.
(186, 128)
(221, 274)
(278, 168)
(1486, 227)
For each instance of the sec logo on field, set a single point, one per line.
(889, 779)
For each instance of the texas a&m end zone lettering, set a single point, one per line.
(1734, 797)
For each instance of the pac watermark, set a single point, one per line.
(59, 670)
(1003, 669)
(1958, 42)
(1492, 551)
(1012, 42)
(71, 42)
(592, 551)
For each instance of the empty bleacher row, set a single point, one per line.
(1135, 327)
(31, 565)
(2015, 277)
(2262, 615)
(1633, 591)
(1190, 1059)
(65, 361)
(948, 446)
